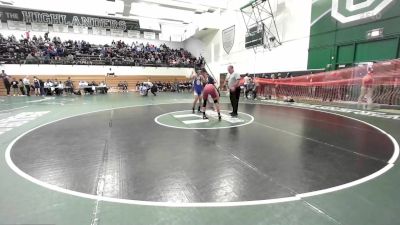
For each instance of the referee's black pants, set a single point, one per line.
(234, 97)
(8, 88)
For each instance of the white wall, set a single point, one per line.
(293, 21)
(194, 46)
(12, 69)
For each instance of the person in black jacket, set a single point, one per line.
(6, 81)
(41, 82)
(14, 85)
(21, 86)
(153, 89)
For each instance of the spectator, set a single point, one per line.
(60, 88)
(367, 88)
(41, 82)
(125, 85)
(153, 89)
(46, 36)
(14, 85)
(47, 87)
(36, 85)
(70, 58)
(27, 35)
(250, 87)
(6, 82)
(21, 86)
(29, 59)
(137, 86)
(82, 52)
(246, 82)
(27, 85)
(69, 86)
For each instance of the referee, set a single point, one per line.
(233, 80)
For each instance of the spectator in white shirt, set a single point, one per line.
(27, 85)
(233, 81)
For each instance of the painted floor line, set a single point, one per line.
(8, 110)
(42, 100)
(321, 142)
(210, 113)
(186, 116)
(188, 122)
(210, 204)
(396, 153)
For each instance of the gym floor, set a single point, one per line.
(126, 159)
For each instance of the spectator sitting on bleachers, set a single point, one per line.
(121, 87)
(14, 85)
(103, 88)
(48, 85)
(60, 88)
(83, 84)
(137, 86)
(21, 87)
(37, 50)
(125, 86)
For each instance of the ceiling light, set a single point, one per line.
(7, 2)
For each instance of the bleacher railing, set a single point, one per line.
(344, 85)
(94, 61)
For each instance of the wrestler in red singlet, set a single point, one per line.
(210, 90)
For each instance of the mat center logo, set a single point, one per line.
(346, 11)
(188, 120)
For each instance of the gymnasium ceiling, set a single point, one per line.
(163, 11)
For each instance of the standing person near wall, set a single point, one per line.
(27, 36)
(21, 86)
(233, 81)
(257, 87)
(27, 85)
(41, 82)
(367, 88)
(251, 87)
(125, 86)
(153, 88)
(6, 82)
(137, 86)
(46, 36)
(14, 84)
(150, 87)
(68, 86)
(36, 85)
(246, 83)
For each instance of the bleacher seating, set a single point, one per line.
(45, 51)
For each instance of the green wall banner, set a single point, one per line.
(340, 32)
(346, 11)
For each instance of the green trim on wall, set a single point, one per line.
(372, 50)
(329, 36)
(319, 8)
(376, 50)
(320, 58)
(398, 50)
(345, 54)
